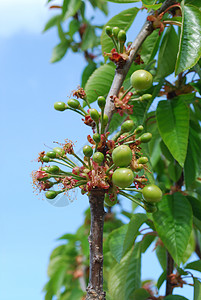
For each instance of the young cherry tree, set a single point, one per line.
(149, 157)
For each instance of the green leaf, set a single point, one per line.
(175, 297)
(59, 51)
(173, 222)
(52, 22)
(125, 277)
(161, 279)
(167, 53)
(190, 39)
(70, 7)
(122, 239)
(173, 124)
(150, 47)
(196, 206)
(133, 226)
(195, 265)
(88, 70)
(123, 20)
(73, 27)
(116, 241)
(89, 39)
(174, 171)
(190, 248)
(161, 254)
(99, 82)
(146, 242)
(197, 289)
(140, 294)
(193, 158)
(193, 2)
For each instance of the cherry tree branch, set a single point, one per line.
(95, 286)
(121, 72)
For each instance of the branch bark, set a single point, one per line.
(121, 73)
(170, 267)
(95, 286)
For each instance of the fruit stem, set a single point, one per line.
(64, 164)
(82, 109)
(87, 102)
(75, 110)
(133, 189)
(76, 156)
(125, 138)
(102, 115)
(97, 126)
(69, 161)
(115, 43)
(89, 162)
(131, 198)
(110, 168)
(121, 47)
(126, 92)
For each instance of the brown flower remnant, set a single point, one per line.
(89, 122)
(40, 156)
(117, 58)
(80, 93)
(97, 177)
(121, 104)
(176, 280)
(68, 147)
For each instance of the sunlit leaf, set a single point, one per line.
(99, 82)
(173, 222)
(197, 289)
(195, 265)
(173, 124)
(190, 39)
(59, 51)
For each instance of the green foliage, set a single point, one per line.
(174, 160)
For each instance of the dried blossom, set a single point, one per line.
(79, 93)
(121, 104)
(117, 58)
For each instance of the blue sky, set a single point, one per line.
(29, 86)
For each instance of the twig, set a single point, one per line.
(121, 72)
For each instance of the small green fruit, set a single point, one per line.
(123, 177)
(59, 151)
(60, 106)
(51, 194)
(88, 151)
(122, 156)
(73, 103)
(152, 193)
(98, 157)
(54, 169)
(51, 154)
(94, 114)
(115, 31)
(110, 202)
(146, 137)
(101, 101)
(96, 138)
(141, 80)
(122, 36)
(142, 160)
(127, 126)
(108, 31)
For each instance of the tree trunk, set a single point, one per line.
(95, 286)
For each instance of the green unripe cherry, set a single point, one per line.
(146, 137)
(152, 193)
(101, 101)
(142, 160)
(139, 129)
(115, 31)
(123, 177)
(105, 120)
(146, 97)
(96, 138)
(88, 151)
(59, 151)
(127, 126)
(51, 194)
(51, 154)
(60, 106)
(94, 114)
(122, 156)
(54, 169)
(98, 157)
(141, 80)
(45, 159)
(122, 36)
(73, 103)
(108, 31)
